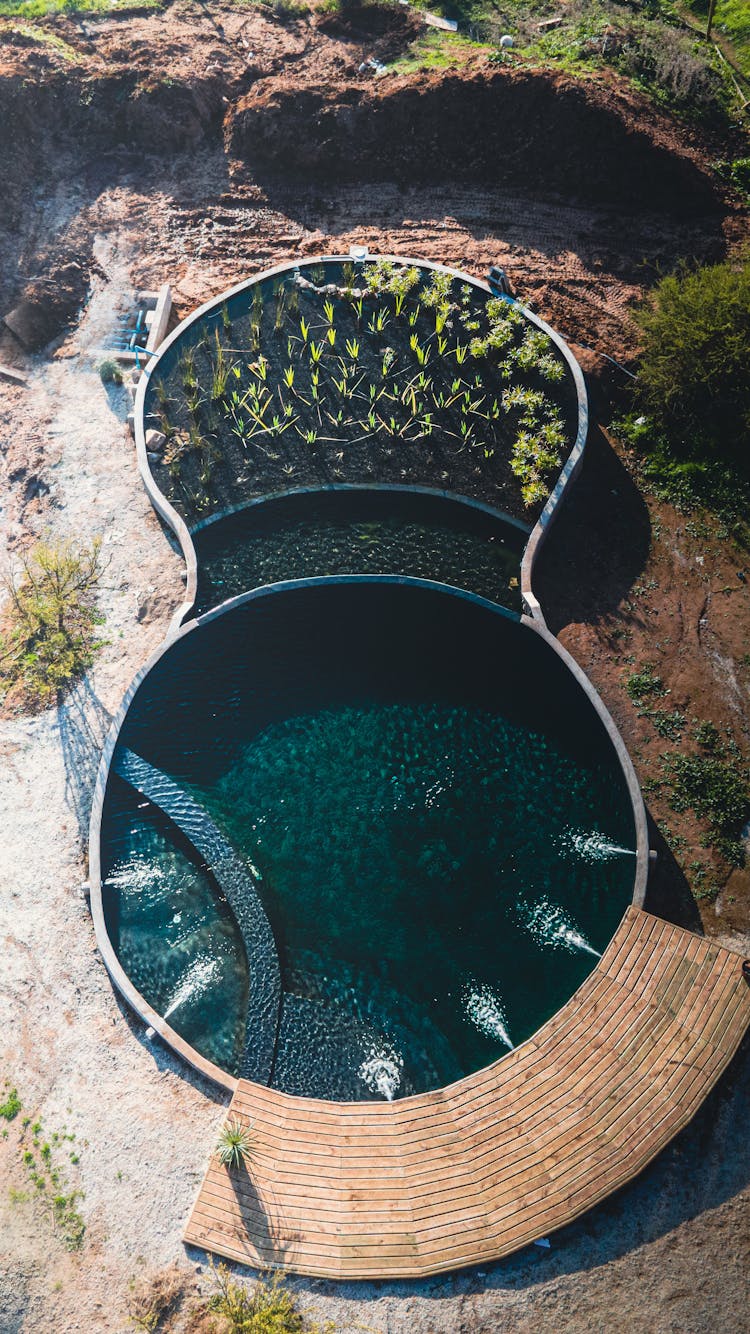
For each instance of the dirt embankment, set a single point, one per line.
(541, 132)
(286, 104)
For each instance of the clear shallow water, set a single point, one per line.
(431, 811)
(173, 929)
(350, 532)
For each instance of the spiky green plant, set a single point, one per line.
(235, 1143)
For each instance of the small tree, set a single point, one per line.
(48, 639)
(693, 378)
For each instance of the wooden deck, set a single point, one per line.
(472, 1172)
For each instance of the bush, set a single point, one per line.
(693, 379)
(110, 371)
(267, 1309)
(49, 633)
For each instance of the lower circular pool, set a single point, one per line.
(360, 836)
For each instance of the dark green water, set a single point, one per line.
(430, 807)
(354, 532)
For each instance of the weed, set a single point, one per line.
(48, 1179)
(154, 1299)
(268, 1308)
(669, 725)
(644, 684)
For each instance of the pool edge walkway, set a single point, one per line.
(472, 1172)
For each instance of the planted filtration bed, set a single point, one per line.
(368, 372)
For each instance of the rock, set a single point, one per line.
(31, 323)
(155, 440)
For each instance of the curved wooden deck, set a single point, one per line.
(472, 1172)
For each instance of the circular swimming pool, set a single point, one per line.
(362, 835)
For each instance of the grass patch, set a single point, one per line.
(39, 9)
(48, 639)
(698, 486)
(38, 34)
(714, 783)
(437, 50)
(732, 21)
(41, 1156)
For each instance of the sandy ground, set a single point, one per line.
(671, 1252)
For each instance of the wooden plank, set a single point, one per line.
(472, 1172)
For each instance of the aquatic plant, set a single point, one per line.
(433, 379)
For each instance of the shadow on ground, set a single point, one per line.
(668, 893)
(597, 546)
(83, 723)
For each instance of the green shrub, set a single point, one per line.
(11, 1105)
(110, 371)
(644, 685)
(50, 618)
(266, 1309)
(693, 378)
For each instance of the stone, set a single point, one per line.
(155, 440)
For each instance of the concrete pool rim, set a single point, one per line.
(122, 982)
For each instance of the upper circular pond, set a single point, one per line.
(359, 836)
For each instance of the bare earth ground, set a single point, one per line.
(626, 581)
